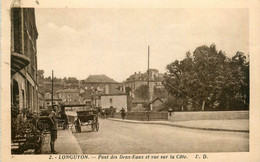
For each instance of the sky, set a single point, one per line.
(82, 42)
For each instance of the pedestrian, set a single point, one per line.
(53, 128)
(106, 112)
(123, 113)
(103, 113)
(112, 111)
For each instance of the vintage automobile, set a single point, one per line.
(87, 118)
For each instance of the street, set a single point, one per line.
(116, 137)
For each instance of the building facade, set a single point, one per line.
(136, 86)
(117, 101)
(48, 102)
(137, 79)
(111, 97)
(24, 87)
(86, 97)
(69, 96)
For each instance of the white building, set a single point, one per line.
(117, 101)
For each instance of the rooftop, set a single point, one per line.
(99, 79)
(157, 98)
(143, 76)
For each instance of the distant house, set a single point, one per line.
(142, 105)
(136, 80)
(86, 98)
(139, 104)
(47, 95)
(48, 102)
(156, 104)
(69, 96)
(112, 97)
(117, 101)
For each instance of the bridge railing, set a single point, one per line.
(143, 116)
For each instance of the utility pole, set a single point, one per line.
(52, 90)
(148, 80)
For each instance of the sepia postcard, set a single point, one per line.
(130, 80)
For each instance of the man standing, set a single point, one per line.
(112, 111)
(123, 113)
(53, 128)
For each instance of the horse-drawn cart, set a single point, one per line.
(87, 118)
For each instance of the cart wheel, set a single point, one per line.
(97, 127)
(64, 126)
(92, 127)
(78, 126)
(38, 149)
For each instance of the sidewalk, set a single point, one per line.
(65, 144)
(241, 125)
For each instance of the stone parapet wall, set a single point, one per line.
(143, 116)
(208, 115)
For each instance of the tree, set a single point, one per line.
(72, 80)
(236, 87)
(128, 90)
(209, 79)
(160, 92)
(181, 81)
(142, 92)
(210, 67)
(41, 74)
(48, 79)
(174, 103)
(40, 77)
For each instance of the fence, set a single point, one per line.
(209, 115)
(143, 116)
